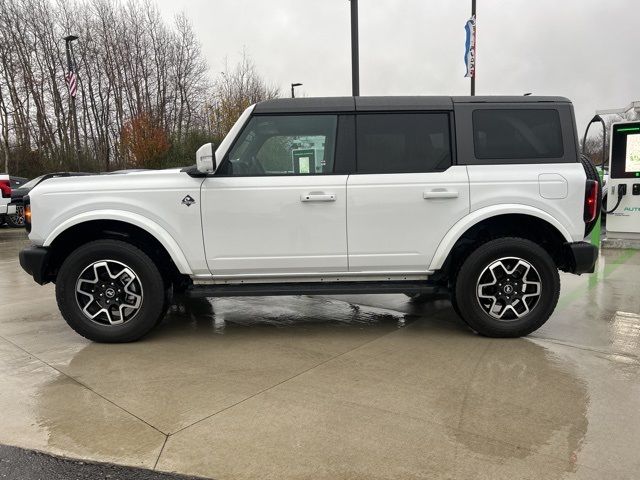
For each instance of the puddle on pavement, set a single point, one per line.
(517, 393)
(299, 311)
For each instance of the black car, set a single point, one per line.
(19, 188)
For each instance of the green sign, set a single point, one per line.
(304, 160)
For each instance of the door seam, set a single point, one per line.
(346, 218)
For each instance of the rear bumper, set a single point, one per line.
(7, 209)
(582, 257)
(35, 261)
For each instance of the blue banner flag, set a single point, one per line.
(470, 47)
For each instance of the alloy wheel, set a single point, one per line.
(109, 292)
(509, 288)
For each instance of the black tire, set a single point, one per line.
(454, 302)
(15, 221)
(151, 289)
(592, 174)
(475, 311)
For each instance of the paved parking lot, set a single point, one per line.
(344, 387)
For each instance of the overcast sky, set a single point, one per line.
(586, 50)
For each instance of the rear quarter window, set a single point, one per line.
(510, 134)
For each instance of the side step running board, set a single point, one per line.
(310, 288)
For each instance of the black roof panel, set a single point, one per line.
(405, 103)
(364, 104)
(509, 99)
(306, 105)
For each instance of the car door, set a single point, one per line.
(275, 207)
(406, 192)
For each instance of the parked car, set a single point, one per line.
(19, 187)
(5, 198)
(484, 197)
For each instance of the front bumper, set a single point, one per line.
(582, 257)
(35, 261)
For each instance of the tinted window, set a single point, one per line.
(284, 145)
(403, 142)
(512, 134)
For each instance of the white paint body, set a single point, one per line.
(326, 227)
(149, 199)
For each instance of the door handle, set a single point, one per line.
(440, 193)
(318, 197)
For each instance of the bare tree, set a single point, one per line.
(235, 89)
(132, 65)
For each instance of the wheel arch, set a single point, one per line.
(485, 224)
(135, 229)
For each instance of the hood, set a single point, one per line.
(111, 181)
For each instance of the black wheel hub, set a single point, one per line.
(510, 289)
(108, 294)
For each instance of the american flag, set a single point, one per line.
(72, 83)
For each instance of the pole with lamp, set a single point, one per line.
(293, 86)
(71, 78)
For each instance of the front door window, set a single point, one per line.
(283, 145)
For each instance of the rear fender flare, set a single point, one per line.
(477, 216)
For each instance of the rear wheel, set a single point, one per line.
(110, 291)
(507, 287)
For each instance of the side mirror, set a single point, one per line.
(206, 159)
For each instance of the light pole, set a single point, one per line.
(293, 86)
(72, 83)
(355, 58)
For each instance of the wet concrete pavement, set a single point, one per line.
(343, 387)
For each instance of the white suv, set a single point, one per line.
(483, 196)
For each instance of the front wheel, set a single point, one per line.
(110, 291)
(507, 287)
(17, 220)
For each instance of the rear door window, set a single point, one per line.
(403, 142)
(517, 134)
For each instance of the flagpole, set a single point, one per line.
(71, 69)
(475, 65)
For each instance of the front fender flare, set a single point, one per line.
(475, 217)
(159, 233)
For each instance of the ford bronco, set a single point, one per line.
(483, 197)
